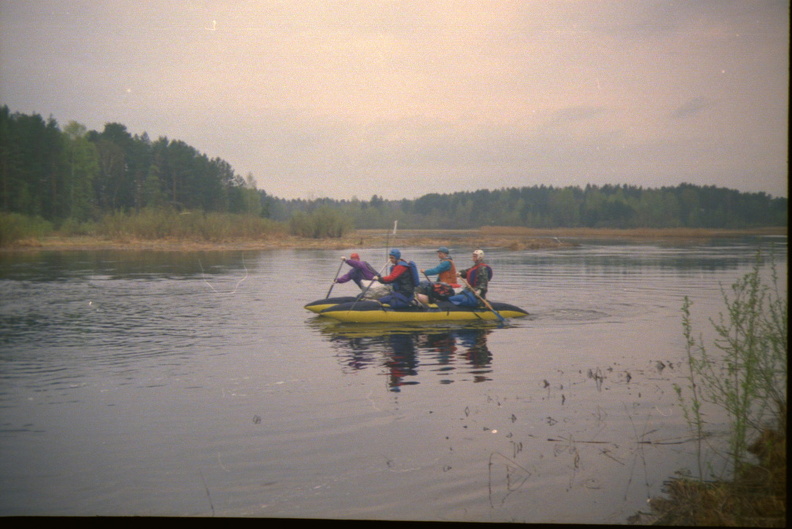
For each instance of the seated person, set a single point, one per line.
(477, 278)
(429, 292)
(401, 281)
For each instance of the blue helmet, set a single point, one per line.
(395, 253)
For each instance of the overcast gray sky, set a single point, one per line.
(399, 98)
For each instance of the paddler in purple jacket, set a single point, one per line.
(360, 270)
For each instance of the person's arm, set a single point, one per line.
(442, 267)
(394, 275)
(482, 279)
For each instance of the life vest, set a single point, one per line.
(472, 275)
(448, 276)
(406, 283)
(440, 292)
(414, 274)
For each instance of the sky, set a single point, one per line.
(399, 98)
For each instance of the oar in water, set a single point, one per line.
(486, 303)
(343, 260)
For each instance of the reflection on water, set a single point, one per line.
(401, 352)
(114, 264)
(195, 383)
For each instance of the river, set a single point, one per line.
(143, 383)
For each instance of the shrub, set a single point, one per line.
(747, 375)
(15, 228)
(324, 222)
(152, 224)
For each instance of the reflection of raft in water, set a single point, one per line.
(374, 312)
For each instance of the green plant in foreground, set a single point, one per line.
(747, 374)
(692, 408)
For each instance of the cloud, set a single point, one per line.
(363, 96)
(691, 107)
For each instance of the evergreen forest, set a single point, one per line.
(75, 175)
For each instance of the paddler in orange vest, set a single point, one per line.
(446, 273)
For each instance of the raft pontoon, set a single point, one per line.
(375, 312)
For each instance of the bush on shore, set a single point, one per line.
(147, 224)
(324, 222)
(15, 228)
(747, 378)
(153, 224)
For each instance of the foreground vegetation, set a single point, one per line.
(747, 378)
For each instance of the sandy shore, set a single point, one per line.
(513, 238)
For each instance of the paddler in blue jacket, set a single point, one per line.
(400, 278)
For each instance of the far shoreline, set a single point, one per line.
(513, 238)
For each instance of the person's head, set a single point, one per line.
(478, 256)
(394, 255)
(442, 252)
(355, 257)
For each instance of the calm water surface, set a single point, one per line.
(195, 384)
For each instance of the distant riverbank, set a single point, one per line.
(514, 238)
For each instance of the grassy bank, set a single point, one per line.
(222, 232)
(633, 233)
(755, 498)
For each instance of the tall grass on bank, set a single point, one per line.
(153, 224)
(324, 222)
(161, 223)
(15, 228)
(147, 224)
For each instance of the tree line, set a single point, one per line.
(79, 175)
(608, 206)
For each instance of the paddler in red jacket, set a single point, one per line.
(401, 280)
